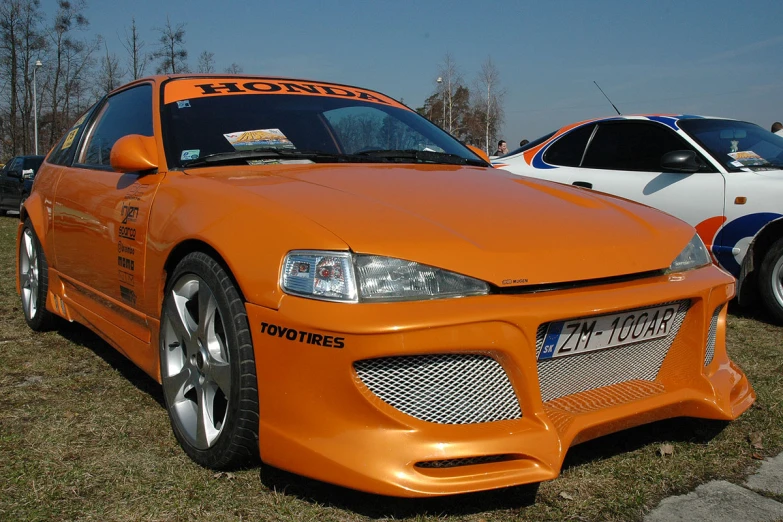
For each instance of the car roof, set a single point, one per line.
(659, 117)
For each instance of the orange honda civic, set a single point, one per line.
(323, 279)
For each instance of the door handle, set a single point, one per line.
(583, 184)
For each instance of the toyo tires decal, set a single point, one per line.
(726, 238)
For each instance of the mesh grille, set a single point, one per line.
(446, 389)
(563, 376)
(711, 337)
(468, 461)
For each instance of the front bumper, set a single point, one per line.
(319, 419)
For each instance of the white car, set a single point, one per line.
(725, 177)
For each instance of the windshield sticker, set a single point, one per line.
(748, 158)
(736, 164)
(69, 139)
(188, 89)
(191, 154)
(80, 120)
(254, 139)
(182, 104)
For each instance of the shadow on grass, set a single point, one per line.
(83, 336)
(681, 429)
(378, 506)
(753, 310)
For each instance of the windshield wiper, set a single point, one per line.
(239, 156)
(421, 155)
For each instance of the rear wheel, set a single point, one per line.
(208, 366)
(771, 280)
(34, 281)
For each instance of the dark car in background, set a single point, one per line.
(16, 181)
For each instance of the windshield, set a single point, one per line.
(528, 146)
(736, 144)
(251, 121)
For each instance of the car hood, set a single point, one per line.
(488, 224)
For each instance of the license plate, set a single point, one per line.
(607, 331)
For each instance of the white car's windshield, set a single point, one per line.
(736, 144)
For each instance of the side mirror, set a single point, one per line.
(480, 153)
(134, 153)
(14, 174)
(685, 161)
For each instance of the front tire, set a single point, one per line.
(34, 281)
(207, 365)
(771, 280)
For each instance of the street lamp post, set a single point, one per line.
(35, 105)
(440, 81)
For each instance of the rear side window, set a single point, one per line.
(127, 112)
(33, 164)
(631, 145)
(568, 150)
(62, 153)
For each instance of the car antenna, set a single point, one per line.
(607, 98)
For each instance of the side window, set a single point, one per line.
(62, 153)
(568, 150)
(33, 164)
(15, 164)
(631, 145)
(127, 112)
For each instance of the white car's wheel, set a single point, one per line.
(771, 280)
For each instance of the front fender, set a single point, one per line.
(34, 210)
(251, 234)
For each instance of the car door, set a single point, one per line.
(8, 182)
(100, 216)
(623, 158)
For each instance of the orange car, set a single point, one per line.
(322, 278)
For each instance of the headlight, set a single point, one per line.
(341, 276)
(322, 275)
(694, 255)
(390, 279)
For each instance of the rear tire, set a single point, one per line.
(771, 281)
(34, 281)
(207, 365)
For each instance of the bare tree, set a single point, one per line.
(234, 68)
(67, 51)
(489, 100)
(450, 81)
(20, 45)
(171, 49)
(110, 75)
(206, 62)
(137, 60)
(33, 46)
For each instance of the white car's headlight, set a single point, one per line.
(341, 276)
(694, 255)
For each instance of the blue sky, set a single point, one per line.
(715, 57)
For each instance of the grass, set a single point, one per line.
(84, 436)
